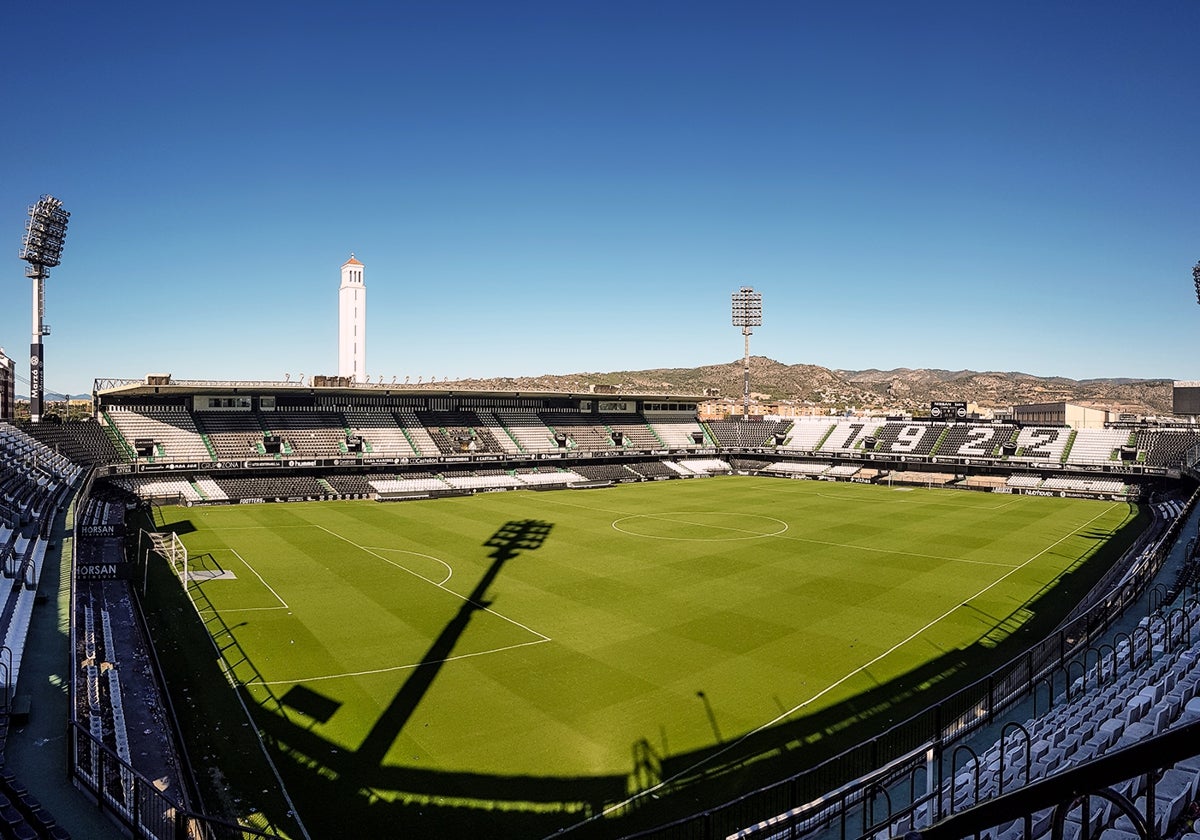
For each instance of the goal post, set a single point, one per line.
(171, 548)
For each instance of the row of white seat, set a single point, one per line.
(396, 433)
(1116, 704)
(1034, 443)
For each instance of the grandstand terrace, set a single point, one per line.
(223, 443)
(36, 484)
(208, 436)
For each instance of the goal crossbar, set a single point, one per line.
(170, 547)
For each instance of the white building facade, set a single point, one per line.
(352, 322)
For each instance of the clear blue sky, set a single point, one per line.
(580, 186)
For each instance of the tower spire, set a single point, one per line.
(352, 321)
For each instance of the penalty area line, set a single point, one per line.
(541, 636)
(393, 668)
(260, 577)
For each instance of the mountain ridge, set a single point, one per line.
(872, 388)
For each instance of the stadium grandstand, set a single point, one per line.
(1108, 700)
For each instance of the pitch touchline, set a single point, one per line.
(610, 809)
(924, 504)
(899, 501)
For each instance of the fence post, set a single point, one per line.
(70, 744)
(991, 698)
(1029, 671)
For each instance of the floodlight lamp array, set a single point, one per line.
(747, 308)
(44, 233)
(1196, 279)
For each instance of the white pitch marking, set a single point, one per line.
(666, 517)
(409, 667)
(449, 571)
(665, 782)
(260, 577)
(541, 636)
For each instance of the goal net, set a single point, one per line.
(170, 547)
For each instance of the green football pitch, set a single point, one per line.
(545, 634)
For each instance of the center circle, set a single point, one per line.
(700, 526)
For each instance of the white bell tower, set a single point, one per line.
(352, 322)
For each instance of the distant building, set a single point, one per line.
(1060, 414)
(1186, 399)
(728, 408)
(352, 322)
(8, 385)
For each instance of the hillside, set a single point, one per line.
(897, 389)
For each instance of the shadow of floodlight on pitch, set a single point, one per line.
(509, 540)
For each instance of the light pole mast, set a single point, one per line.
(747, 313)
(42, 249)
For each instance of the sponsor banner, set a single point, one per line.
(302, 463)
(258, 464)
(104, 571)
(170, 466)
(35, 374)
(1071, 494)
(117, 530)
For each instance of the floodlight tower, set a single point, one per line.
(747, 313)
(42, 249)
(1196, 279)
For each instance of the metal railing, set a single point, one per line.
(117, 787)
(1142, 763)
(135, 802)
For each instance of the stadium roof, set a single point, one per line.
(164, 384)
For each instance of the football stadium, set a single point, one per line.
(336, 608)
